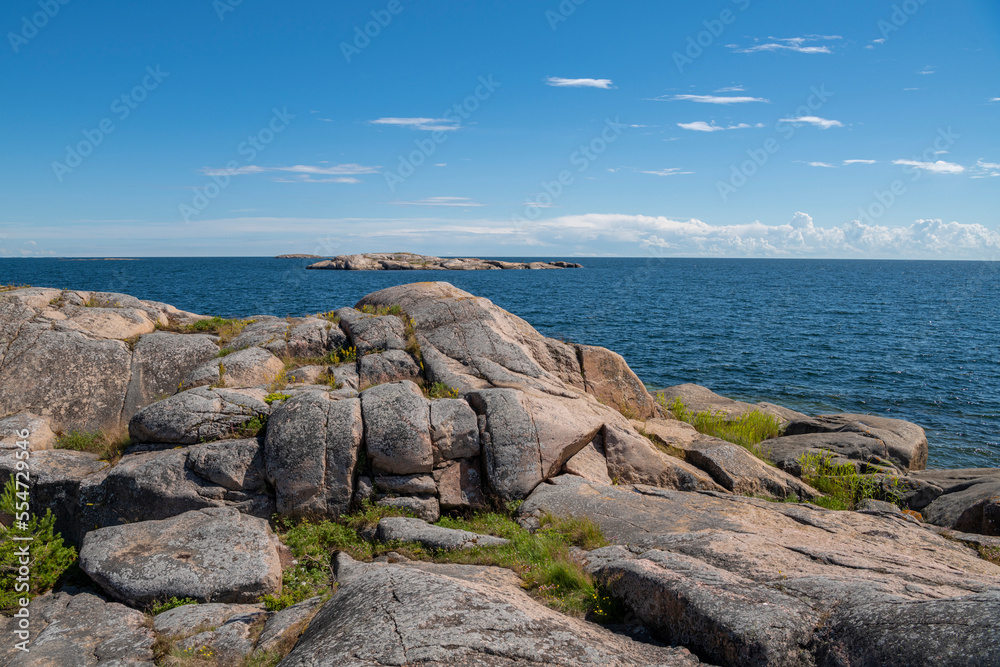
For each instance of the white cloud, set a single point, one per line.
(826, 165)
(983, 169)
(995, 99)
(939, 167)
(926, 70)
(796, 44)
(731, 89)
(670, 171)
(702, 126)
(710, 99)
(426, 124)
(822, 123)
(342, 173)
(560, 82)
(848, 162)
(440, 201)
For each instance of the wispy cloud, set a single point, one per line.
(807, 44)
(709, 99)
(426, 124)
(825, 165)
(440, 201)
(816, 121)
(338, 173)
(880, 40)
(983, 169)
(995, 99)
(939, 167)
(560, 82)
(848, 162)
(670, 171)
(926, 70)
(702, 126)
(731, 89)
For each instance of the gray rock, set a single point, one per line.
(197, 415)
(249, 368)
(701, 399)
(371, 333)
(460, 485)
(403, 529)
(310, 337)
(148, 486)
(422, 506)
(39, 434)
(55, 477)
(346, 376)
(632, 459)
(397, 429)
(697, 562)
(364, 490)
(967, 505)
(739, 471)
(385, 367)
(607, 376)
(428, 614)
(160, 362)
(259, 332)
(509, 442)
(311, 452)
(454, 430)
(905, 443)
(210, 555)
(405, 484)
(230, 643)
(189, 619)
(408, 261)
(590, 463)
(284, 628)
(77, 628)
(306, 374)
(847, 448)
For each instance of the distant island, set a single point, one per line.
(408, 261)
(299, 256)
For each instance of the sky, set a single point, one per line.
(545, 128)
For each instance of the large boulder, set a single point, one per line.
(454, 430)
(698, 564)
(312, 447)
(372, 333)
(210, 555)
(701, 399)
(388, 366)
(405, 529)
(607, 376)
(26, 427)
(415, 613)
(160, 361)
(905, 443)
(632, 459)
(969, 499)
(397, 428)
(842, 447)
(197, 415)
(80, 629)
(147, 486)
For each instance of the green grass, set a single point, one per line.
(346, 355)
(440, 390)
(276, 396)
(108, 444)
(10, 287)
(748, 430)
(991, 554)
(541, 559)
(225, 329)
(844, 487)
(160, 607)
(380, 311)
(50, 559)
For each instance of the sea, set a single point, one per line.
(913, 340)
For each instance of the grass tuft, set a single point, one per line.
(225, 329)
(109, 444)
(844, 487)
(748, 430)
(160, 607)
(440, 390)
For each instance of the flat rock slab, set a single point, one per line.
(702, 399)
(190, 618)
(403, 529)
(210, 555)
(197, 415)
(427, 614)
(283, 629)
(905, 443)
(76, 628)
(692, 557)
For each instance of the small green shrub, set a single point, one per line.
(748, 430)
(252, 428)
(225, 329)
(108, 444)
(276, 396)
(844, 487)
(160, 607)
(347, 355)
(50, 559)
(440, 390)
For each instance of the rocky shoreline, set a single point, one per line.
(406, 261)
(427, 401)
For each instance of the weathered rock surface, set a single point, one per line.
(160, 362)
(422, 506)
(701, 399)
(284, 628)
(197, 415)
(210, 555)
(188, 619)
(847, 448)
(149, 486)
(39, 434)
(606, 375)
(230, 642)
(388, 366)
(407, 261)
(403, 529)
(369, 333)
(590, 463)
(969, 500)
(454, 430)
(397, 428)
(632, 459)
(76, 628)
(312, 447)
(426, 614)
(460, 485)
(695, 561)
(905, 443)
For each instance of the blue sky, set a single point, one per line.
(856, 128)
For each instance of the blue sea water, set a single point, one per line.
(913, 340)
